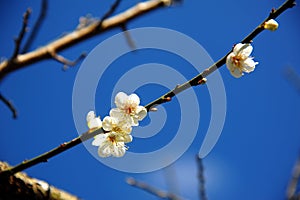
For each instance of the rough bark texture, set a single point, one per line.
(20, 186)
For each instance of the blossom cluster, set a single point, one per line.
(118, 125)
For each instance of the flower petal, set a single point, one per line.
(94, 123)
(249, 65)
(91, 115)
(236, 72)
(120, 100)
(99, 139)
(141, 112)
(107, 123)
(133, 100)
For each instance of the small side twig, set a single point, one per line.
(292, 187)
(67, 63)
(19, 39)
(112, 9)
(201, 178)
(128, 37)
(159, 193)
(9, 105)
(36, 27)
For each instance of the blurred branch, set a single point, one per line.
(21, 186)
(20, 37)
(198, 80)
(115, 21)
(9, 105)
(36, 27)
(78, 35)
(128, 37)
(159, 193)
(292, 187)
(202, 191)
(293, 77)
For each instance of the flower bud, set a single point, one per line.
(271, 25)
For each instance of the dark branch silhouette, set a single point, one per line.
(36, 27)
(201, 178)
(9, 105)
(159, 193)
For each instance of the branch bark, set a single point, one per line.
(79, 35)
(21, 186)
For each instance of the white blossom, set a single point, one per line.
(109, 145)
(271, 25)
(93, 121)
(128, 109)
(239, 60)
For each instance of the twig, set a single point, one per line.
(9, 105)
(79, 35)
(198, 80)
(128, 37)
(67, 63)
(159, 193)
(19, 39)
(292, 187)
(112, 9)
(202, 191)
(36, 27)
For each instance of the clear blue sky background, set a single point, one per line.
(260, 141)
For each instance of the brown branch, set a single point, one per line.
(36, 27)
(156, 192)
(9, 105)
(201, 178)
(79, 35)
(67, 63)
(19, 39)
(198, 80)
(292, 187)
(21, 186)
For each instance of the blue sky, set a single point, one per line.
(260, 140)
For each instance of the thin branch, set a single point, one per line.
(79, 35)
(128, 37)
(111, 11)
(292, 187)
(19, 39)
(156, 192)
(9, 105)
(36, 27)
(198, 80)
(202, 191)
(67, 63)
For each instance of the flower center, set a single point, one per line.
(112, 138)
(237, 60)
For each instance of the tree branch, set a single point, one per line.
(19, 39)
(292, 188)
(9, 105)
(21, 186)
(79, 35)
(156, 192)
(198, 80)
(36, 27)
(202, 191)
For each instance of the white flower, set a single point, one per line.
(113, 142)
(271, 25)
(128, 109)
(239, 60)
(93, 121)
(109, 145)
(116, 126)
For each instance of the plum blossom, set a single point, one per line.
(239, 60)
(93, 122)
(128, 109)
